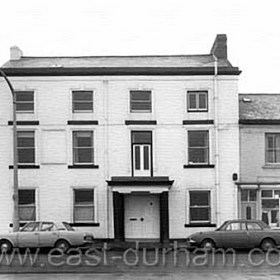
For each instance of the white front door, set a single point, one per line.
(142, 217)
(142, 160)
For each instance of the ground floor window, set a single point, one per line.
(262, 204)
(270, 207)
(27, 206)
(199, 207)
(83, 205)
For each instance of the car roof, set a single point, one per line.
(242, 220)
(57, 223)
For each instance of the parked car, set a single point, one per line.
(245, 234)
(45, 234)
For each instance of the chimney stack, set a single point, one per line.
(15, 53)
(219, 48)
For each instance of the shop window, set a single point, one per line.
(267, 193)
(270, 207)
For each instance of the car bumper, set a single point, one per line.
(191, 244)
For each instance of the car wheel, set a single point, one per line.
(6, 246)
(208, 244)
(267, 244)
(63, 245)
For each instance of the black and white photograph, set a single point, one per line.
(139, 139)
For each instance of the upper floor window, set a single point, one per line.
(27, 207)
(83, 205)
(25, 101)
(272, 147)
(197, 101)
(140, 101)
(82, 101)
(83, 147)
(26, 147)
(198, 147)
(200, 211)
(142, 153)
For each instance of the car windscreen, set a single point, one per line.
(222, 227)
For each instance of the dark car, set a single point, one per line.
(237, 234)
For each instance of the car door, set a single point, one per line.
(255, 233)
(48, 234)
(235, 235)
(28, 237)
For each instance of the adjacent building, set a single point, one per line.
(127, 147)
(259, 184)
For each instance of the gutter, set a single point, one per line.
(118, 71)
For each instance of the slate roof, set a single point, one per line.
(117, 61)
(259, 107)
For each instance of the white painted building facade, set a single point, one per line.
(124, 147)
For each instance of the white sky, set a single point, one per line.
(147, 27)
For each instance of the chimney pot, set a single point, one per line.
(15, 53)
(219, 48)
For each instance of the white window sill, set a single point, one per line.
(25, 112)
(272, 166)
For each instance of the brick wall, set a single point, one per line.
(55, 181)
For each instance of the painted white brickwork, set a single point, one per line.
(54, 181)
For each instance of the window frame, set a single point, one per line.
(197, 93)
(249, 194)
(253, 228)
(207, 148)
(75, 132)
(25, 102)
(208, 221)
(34, 205)
(131, 110)
(274, 149)
(26, 147)
(93, 204)
(82, 101)
(147, 142)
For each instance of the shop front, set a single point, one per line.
(260, 201)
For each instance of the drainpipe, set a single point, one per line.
(15, 155)
(106, 154)
(217, 152)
